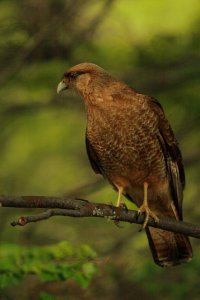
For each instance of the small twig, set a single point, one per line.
(63, 206)
(45, 215)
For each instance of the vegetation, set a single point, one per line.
(152, 45)
(50, 263)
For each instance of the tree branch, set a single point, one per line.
(64, 206)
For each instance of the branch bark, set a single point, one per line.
(64, 206)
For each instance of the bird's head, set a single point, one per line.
(79, 77)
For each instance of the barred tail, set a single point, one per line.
(168, 248)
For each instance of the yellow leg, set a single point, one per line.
(119, 202)
(120, 191)
(144, 208)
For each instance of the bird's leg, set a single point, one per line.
(120, 191)
(119, 203)
(144, 208)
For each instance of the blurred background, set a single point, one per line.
(152, 45)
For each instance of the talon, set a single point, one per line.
(144, 208)
(123, 205)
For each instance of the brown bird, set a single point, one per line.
(130, 142)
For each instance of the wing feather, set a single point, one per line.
(172, 154)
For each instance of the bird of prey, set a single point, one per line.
(130, 142)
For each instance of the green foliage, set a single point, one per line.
(50, 263)
(46, 296)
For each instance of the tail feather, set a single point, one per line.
(168, 248)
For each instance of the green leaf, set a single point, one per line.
(50, 263)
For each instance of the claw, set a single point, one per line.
(123, 205)
(144, 208)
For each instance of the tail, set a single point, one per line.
(168, 248)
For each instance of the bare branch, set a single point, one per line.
(64, 206)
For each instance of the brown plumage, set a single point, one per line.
(130, 142)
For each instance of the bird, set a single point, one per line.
(130, 142)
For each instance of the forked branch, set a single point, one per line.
(64, 206)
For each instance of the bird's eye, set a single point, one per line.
(73, 74)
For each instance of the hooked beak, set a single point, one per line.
(61, 87)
